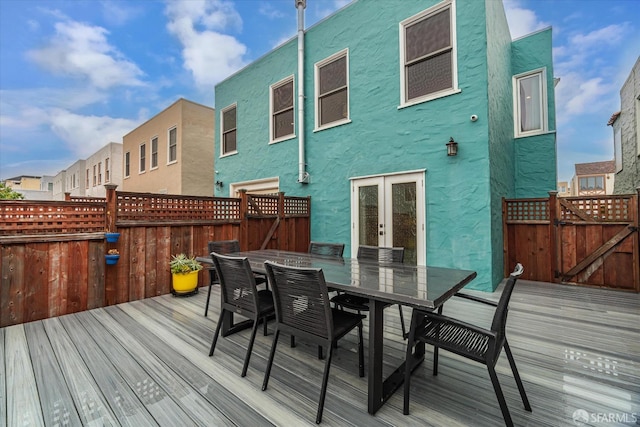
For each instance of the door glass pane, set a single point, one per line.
(368, 215)
(403, 198)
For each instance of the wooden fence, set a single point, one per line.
(52, 255)
(579, 240)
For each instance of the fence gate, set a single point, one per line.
(597, 241)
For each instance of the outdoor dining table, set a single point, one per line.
(382, 283)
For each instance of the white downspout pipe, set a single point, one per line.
(303, 175)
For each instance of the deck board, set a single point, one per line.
(146, 363)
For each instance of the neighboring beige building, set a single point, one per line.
(563, 189)
(593, 179)
(103, 167)
(171, 153)
(23, 182)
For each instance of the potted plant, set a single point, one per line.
(184, 272)
(112, 256)
(111, 237)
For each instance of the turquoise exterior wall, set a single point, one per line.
(535, 156)
(462, 228)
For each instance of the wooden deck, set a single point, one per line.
(146, 363)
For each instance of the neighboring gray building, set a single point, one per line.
(626, 129)
(70, 180)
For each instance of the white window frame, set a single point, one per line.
(222, 130)
(142, 158)
(272, 138)
(433, 10)
(338, 55)
(169, 160)
(107, 172)
(154, 159)
(544, 114)
(127, 165)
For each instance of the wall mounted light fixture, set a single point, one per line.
(452, 147)
(219, 184)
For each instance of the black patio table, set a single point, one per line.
(383, 283)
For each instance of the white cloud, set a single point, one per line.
(269, 11)
(208, 53)
(119, 12)
(82, 51)
(84, 135)
(521, 21)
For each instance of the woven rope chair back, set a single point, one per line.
(237, 282)
(301, 299)
(381, 254)
(224, 247)
(327, 249)
(500, 316)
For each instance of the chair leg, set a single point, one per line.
(215, 335)
(206, 307)
(435, 361)
(267, 372)
(264, 319)
(323, 391)
(293, 341)
(360, 352)
(250, 347)
(320, 355)
(407, 375)
(404, 328)
(516, 375)
(503, 403)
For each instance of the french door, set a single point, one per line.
(388, 210)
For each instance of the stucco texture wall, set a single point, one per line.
(628, 179)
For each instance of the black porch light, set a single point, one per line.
(452, 147)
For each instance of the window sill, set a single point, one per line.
(428, 98)
(332, 125)
(172, 162)
(547, 132)
(231, 153)
(284, 138)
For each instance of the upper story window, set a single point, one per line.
(143, 157)
(332, 90)
(530, 103)
(228, 139)
(282, 110)
(591, 183)
(428, 55)
(107, 174)
(127, 164)
(99, 173)
(154, 153)
(86, 184)
(94, 176)
(172, 153)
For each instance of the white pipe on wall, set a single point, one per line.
(303, 175)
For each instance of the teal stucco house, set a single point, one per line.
(364, 110)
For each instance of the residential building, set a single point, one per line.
(563, 189)
(23, 182)
(171, 153)
(103, 167)
(72, 180)
(626, 134)
(364, 126)
(593, 179)
(32, 187)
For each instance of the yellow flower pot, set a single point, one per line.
(185, 283)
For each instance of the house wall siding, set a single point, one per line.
(628, 179)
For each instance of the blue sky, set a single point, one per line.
(77, 74)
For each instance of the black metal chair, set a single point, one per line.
(375, 253)
(223, 247)
(467, 340)
(327, 249)
(303, 309)
(240, 295)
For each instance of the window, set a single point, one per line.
(591, 183)
(127, 164)
(154, 153)
(282, 109)
(143, 157)
(428, 55)
(107, 175)
(332, 90)
(99, 173)
(94, 175)
(530, 103)
(173, 146)
(617, 148)
(86, 184)
(229, 143)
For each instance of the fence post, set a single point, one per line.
(553, 237)
(282, 236)
(112, 211)
(505, 239)
(244, 221)
(67, 197)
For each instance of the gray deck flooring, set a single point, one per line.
(146, 363)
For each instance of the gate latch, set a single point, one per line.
(632, 228)
(558, 222)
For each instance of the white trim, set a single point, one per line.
(276, 85)
(255, 185)
(389, 174)
(151, 167)
(222, 111)
(169, 161)
(125, 159)
(140, 162)
(446, 4)
(316, 97)
(544, 114)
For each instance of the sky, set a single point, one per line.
(78, 74)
